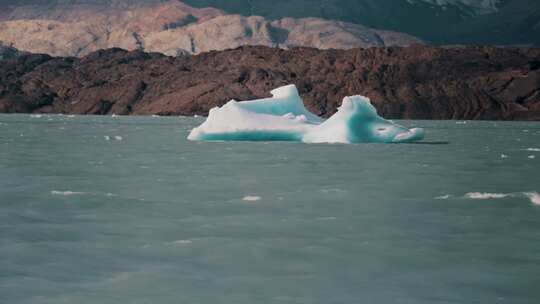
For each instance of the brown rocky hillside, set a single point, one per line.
(414, 82)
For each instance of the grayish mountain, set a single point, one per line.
(76, 28)
(506, 22)
(440, 22)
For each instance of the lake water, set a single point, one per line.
(126, 210)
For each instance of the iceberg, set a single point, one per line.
(283, 117)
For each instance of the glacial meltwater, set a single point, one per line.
(127, 210)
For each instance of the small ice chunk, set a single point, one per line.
(107, 137)
(335, 191)
(443, 197)
(485, 195)
(119, 138)
(504, 156)
(534, 197)
(533, 149)
(531, 157)
(251, 198)
(180, 242)
(65, 193)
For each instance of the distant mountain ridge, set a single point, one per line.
(478, 6)
(494, 22)
(439, 22)
(76, 28)
(173, 27)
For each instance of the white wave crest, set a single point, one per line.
(534, 197)
(485, 195)
(180, 242)
(443, 197)
(66, 193)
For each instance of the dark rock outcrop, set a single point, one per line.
(415, 82)
(8, 52)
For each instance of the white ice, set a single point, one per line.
(251, 198)
(533, 196)
(486, 195)
(284, 117)
(66, 193)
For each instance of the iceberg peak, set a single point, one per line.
(284, 117)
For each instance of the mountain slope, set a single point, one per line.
(435, 21)
(415, 82)
(476, 6)
(516, 22)
(8, 52)
(173, 28)
(495, 22)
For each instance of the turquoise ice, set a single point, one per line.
(284, 117)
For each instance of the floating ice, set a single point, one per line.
(251, 198)
(66, 193)
(486, 195)
(284, 117)
(116, 137)
(443, 197)
(180, 242)
(533, 196)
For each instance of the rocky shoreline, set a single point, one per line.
(417, 82)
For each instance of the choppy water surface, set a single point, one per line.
(125, 210)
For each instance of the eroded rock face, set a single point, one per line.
(416, 82)
(172, 28)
